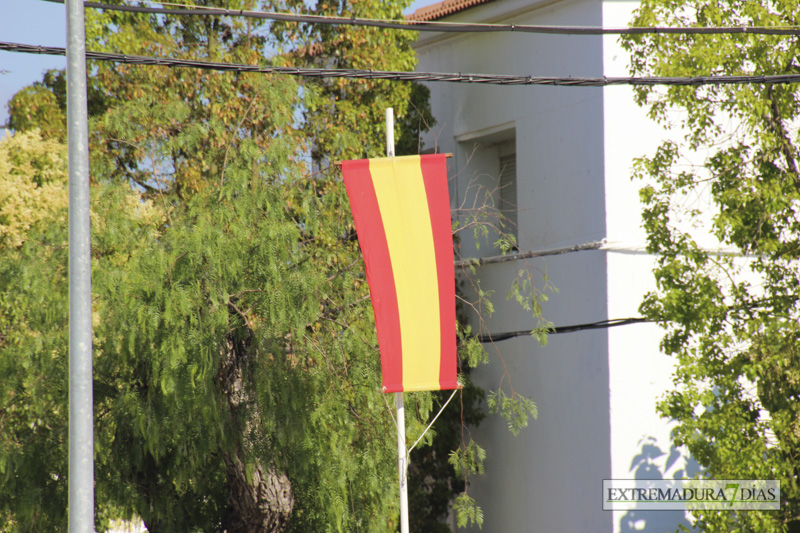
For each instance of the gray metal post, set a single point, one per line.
(81, 419)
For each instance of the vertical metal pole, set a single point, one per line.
(81, 420)
(402, 452)
(389, 132)
(402, 462)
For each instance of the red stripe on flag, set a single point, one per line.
(434, 173)
(380, 277)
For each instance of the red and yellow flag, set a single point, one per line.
(401, 210)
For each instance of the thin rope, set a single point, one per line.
(432, 421)
(383, 395)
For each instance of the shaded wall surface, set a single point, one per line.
(596, 390)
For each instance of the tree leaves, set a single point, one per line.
(731, 322)
(236, 364)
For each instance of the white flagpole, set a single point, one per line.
(389, 132)
(402, 452)
(402, 462)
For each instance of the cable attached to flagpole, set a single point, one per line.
(388, 409)
(402, 451)
(434, 420)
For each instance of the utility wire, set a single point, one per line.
(490, 79)
(603, 324)
(453, 27)
(597, 245)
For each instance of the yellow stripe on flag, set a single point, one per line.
(400, 191)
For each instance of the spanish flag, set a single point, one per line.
(401, 210)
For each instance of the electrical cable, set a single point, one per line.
(490, 79)
(603, 324)
(452, 27)
(597, 245)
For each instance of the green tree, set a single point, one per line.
(235, 379)
(34, 169)
(333, 120)
(245, 362)
(732, 322)
(33, 322)
(345, 118)
(236, 364)
(32, 438)
(43, 106)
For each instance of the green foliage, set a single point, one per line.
(471, 351)
(345, 118)
(36, 171)
(515, 409)
(530, 297)
(731, 322)
(171, 301)
(43, 106)
(231, 272)
(475, 305)
(430, 470)
(467, 511)
(33, 430)
(173, 131)
(469, 459)
(36, 106)
(33, 330)
(234, 342)
(411, 125)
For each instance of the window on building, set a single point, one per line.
(488, 180)
(507, 185)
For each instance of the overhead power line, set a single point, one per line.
(603, 324)
(452, 27)
(528, 255)
(486, 79)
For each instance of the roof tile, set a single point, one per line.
(443, 9)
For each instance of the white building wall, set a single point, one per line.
(639, 373)
(596, 390)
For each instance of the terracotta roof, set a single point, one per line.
(443, 9)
